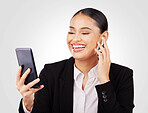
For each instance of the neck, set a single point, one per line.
(85, 65)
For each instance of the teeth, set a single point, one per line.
(78, 46)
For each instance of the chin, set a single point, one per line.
(78, 56)
(83, 57)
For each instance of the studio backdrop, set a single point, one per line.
(43, 25)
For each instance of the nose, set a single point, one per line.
(77, 37)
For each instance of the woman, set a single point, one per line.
(87, 82)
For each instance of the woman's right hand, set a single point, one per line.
(26, 91)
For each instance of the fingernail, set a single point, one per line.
(42, 86)
(102, 43)
(95, 49)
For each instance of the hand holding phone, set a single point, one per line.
(27, 86)
(26, 60)
(104, 62)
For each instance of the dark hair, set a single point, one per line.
(97, 15)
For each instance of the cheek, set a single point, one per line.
(68, 41)
(92, 44)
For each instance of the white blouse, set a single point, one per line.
(85, 101)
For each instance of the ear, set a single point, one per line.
(105, 35)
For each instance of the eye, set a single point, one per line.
(70, 32)
(85, 33)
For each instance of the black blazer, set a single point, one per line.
(115, 96)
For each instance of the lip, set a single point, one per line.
(77, 44)
(80, 47)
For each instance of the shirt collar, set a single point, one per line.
(93, 72)
(76, 72)
(90, 73)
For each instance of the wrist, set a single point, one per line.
(28, 104)
(104, 80)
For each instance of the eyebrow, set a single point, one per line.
(71, 27)
(81, 28)
(86, 28)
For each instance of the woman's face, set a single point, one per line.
(82, 37)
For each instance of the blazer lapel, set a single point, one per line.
(66, 88)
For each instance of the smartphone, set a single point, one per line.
(26, 60)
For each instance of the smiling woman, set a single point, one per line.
(83, 31)
(85, 83)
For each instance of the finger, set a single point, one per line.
(103, 49)
(18, 76)
(99, 47)
(22, 80)
(29, 85)
(99, 53)
(34, 90)
(107, 49)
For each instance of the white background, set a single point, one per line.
(43, 25)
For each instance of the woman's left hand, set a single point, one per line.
(104, 62)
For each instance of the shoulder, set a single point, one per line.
(53, 72)
(60, 64)
(57, 68)
(118, 68)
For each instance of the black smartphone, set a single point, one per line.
(26, 60)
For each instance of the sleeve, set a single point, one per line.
(21, 110)
(41, 101)
(120, 101)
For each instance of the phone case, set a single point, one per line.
(26, 60)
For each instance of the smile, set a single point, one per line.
(78, 47)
